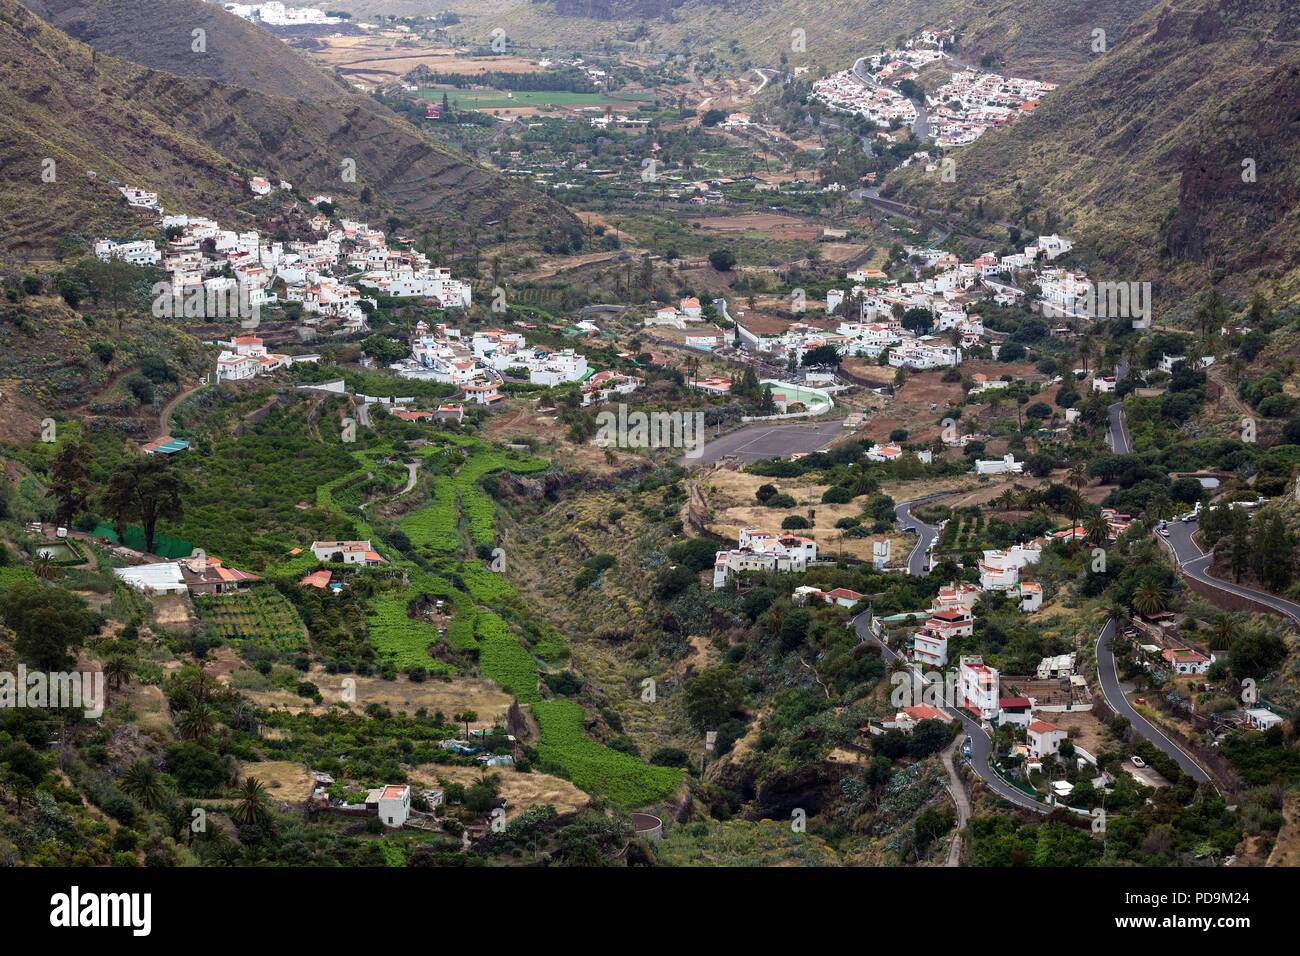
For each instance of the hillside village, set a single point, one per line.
(652, 456)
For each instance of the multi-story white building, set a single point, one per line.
(978, 686)
(920, 355)
(1006, 465)
(143, 252)
(1000, 570)
(761, 551)
(555, 368)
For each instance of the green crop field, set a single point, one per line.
(595, 768)
(499, 99)
(261, 615)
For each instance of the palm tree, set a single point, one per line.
(198, 721)
(251, 807)
(466, 717)
(1074, 508)
(1098, 529)
(118, 669)
(144, 784)
(202, 685)
(864, 483)
(43, 567)
(1159, 507)
(1007, 499)
(1223, 631)
(1078, 476)
(1150, 599)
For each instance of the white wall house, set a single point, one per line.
(1031, 596)
(1184, 660)
(1006, 465)
(349, 552)
(978, 685)
(930, 648)
(1000, 570)
(394, 804)
(1043, 738)
(142, 253)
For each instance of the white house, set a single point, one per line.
(559, 367)
(1006, 465)
(956, 596)
(1167, 362)
(161, 578)
(394, 804)
(878, 452)
(1000, 570)
(1043, 738)
(1015, 710)
(483, 394)
(978, 684)
(1262, 719)
(1184, 660)
(232, 367)
(930, 648)
(761, 551)
(1031, 596)
(349, 552)
(880, 552)
(930, 643)
(142, 253)
(843, 597)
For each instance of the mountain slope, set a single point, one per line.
(159, 34)
(1140, 156)
(193, 140)
(1039, 37)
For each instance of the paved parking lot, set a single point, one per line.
(760, 440)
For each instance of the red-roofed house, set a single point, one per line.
(844, 597)
(1015, 710)
(1184, 660)
(394, 803)
(1043, 738)
(907, 718)
(483, 394)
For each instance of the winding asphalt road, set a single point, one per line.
(1191, 559)
(981, 743)
(918, 561)
(921, 127)
(1113, 693)
(1117, 435)
(1195, 564)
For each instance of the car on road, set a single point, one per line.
(1140, 701)
(965, 748)
(1138, 762)
(1164, 532)
(910, 529)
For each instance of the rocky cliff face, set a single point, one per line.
(1240, 185)
(617, 9)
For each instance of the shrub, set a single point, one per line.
(837, 495)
